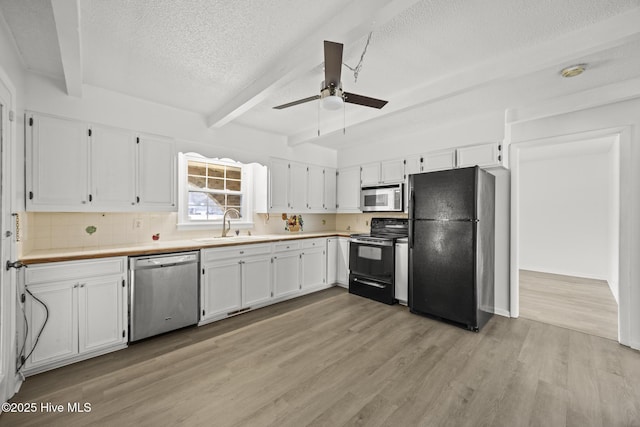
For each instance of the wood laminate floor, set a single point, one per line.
(584, 305)
(334, 359)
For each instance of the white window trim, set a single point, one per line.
(183, 196)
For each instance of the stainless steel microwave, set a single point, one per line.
(386, 198)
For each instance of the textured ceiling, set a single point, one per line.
(428, 58)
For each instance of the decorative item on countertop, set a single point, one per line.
(292, 223)
(90, 230)
(156, 236)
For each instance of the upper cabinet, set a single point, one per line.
(348, 190)
(380, 173)
(483, 155)
(299, 188)
(57, 164)
(72, 166)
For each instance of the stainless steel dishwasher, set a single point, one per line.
(164, 293)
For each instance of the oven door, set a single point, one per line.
(372, 260)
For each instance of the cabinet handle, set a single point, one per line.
(75, 286)
(82, 285)
(241, 252)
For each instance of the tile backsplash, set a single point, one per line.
(45, 230)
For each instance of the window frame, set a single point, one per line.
(246, 189)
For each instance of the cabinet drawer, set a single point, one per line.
(291, 245)
(314, 243)
(210, 255)
(58, 271)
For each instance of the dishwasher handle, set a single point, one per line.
(160, 261)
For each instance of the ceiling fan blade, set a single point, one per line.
(332, 63)
(299, 101)
(354, 98)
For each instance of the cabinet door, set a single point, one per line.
(348, 189)
(439, 160)
(221, 288)
(101, 313)
(256, 281)
(332, 261)
(413, 165)
(57, 165)
(342, 267)
(156, 174)
(315, 189)
(279, 186)
(402, 272)
(113, 168)
(330, 190)
(481, 155)
(298, 186)
(286, 274)
(392, 171)
(370, 174)
(59, 338)
(313, 268)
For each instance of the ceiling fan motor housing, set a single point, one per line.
(330, 90)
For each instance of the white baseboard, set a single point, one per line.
(502, 312)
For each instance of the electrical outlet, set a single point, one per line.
(137, 223)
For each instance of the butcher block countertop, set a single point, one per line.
(160, 247)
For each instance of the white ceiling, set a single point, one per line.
(433, 60)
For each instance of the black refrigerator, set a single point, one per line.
(451, 245)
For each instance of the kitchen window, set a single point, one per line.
(209, 187)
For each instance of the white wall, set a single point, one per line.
(565, 212)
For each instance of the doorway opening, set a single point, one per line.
(568, 227)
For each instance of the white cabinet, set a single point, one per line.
(330, 190)
(156, 174)
(440, 160)
(313, 264)
(286, 273)
(402, 272)
(234, 278)
(413, 165)
(57, 164)
(482, 155)
(370, 174)
(380, 173)
(73, 166)
(332, 260)
(221, 288)
(113, 168)
(86, 303)
(279, 185)
(297, 187)
(348, 189)
(392, 171)
(315, 188)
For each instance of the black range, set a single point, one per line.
(372, 259)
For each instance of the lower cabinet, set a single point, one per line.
(286, 268)
(234, 279)
(74, 310)
(402, 272)
(342, 266)
(313, 264)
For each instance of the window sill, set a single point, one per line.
(214, 225)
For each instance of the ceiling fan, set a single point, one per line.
(331, 93)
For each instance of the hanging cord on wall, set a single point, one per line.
(35, 344)
(357, 68)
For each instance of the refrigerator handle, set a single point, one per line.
(411, 216)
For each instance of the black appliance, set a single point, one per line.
(372, 259)
(451, 245)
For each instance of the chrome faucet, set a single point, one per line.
(225, 230)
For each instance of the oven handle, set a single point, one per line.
(369, 283)
(370, 243)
